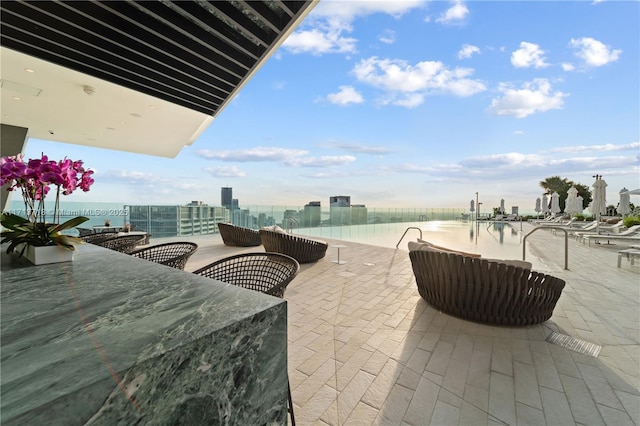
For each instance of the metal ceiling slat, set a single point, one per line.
(243, 23)
(215, 46)
(210, 23)
(259, 9)
(159, 36)
(161, 70)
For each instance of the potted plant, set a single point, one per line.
(35, 178)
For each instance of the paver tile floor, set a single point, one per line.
(365, 349)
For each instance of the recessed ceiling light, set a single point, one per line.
(16, 98)
(29, 70)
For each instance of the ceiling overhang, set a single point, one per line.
(145, 76)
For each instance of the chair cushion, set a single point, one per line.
(274, 228)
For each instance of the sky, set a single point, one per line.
(411, 104)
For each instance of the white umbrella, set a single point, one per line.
(471, 207)
(623, 206)
(580, 204)
(538, 209)
(555, 203)
(502, 206)
(571, 204)
(599, 203)
(545, 204)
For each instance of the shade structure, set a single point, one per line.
(538, 209)
(571, 204)
(624, 207)
(580, 203)
(502, 206)
(555, 203)
(545, 204)
(472, 206)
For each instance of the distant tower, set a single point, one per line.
(311, 215)
(226, 197)
(340, 210)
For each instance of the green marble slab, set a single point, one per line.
(112, 339)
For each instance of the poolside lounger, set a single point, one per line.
(612, 237)
(630, 254)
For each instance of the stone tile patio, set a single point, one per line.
(365, 349)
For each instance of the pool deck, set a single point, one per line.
(365, 349)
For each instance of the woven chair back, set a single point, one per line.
(269, 273)
(174, 255)
(123, 244)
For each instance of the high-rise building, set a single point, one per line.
(174, 221)
(311, 214)
(226, 197)
(358, 214)
(340, 210)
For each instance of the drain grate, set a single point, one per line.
(577, 345)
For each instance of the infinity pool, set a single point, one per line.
(491, 239)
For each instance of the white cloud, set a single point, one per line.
(361, 149)
(467, 51)
(606, 147)
(568, 67)
(320, 40)
(324, 29)
(533, 97)
(227, 171)
(519, 132)
(456, 13)
(387, 37)
(324, 161)
(594, 53)
(529, 55)
(288, 157)
(407, 85)
(253, 154)
(346, 95)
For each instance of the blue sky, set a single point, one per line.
(412, 104)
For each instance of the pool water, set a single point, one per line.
(491, 239)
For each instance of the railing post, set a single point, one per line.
(566, 243)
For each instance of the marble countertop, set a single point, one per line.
(69, 331)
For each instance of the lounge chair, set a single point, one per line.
(238, 236)
(301, 249)
(615, 229)
(174, 255)
(505, 292)
(631, 238)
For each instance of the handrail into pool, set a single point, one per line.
(566, 243)
(405, 233)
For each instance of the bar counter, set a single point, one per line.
(112, 339)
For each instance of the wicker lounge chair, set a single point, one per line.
(233, 235)
(301, 249)
(269, 273)
(484, 290)
(174, 255)
(123, 244)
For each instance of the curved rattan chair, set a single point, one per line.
(170, 254)
(123, 244)
(484, 290)
(301, 249)
(238, 236)
(269, 273)
(98, 236)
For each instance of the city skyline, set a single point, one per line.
(412, 104)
